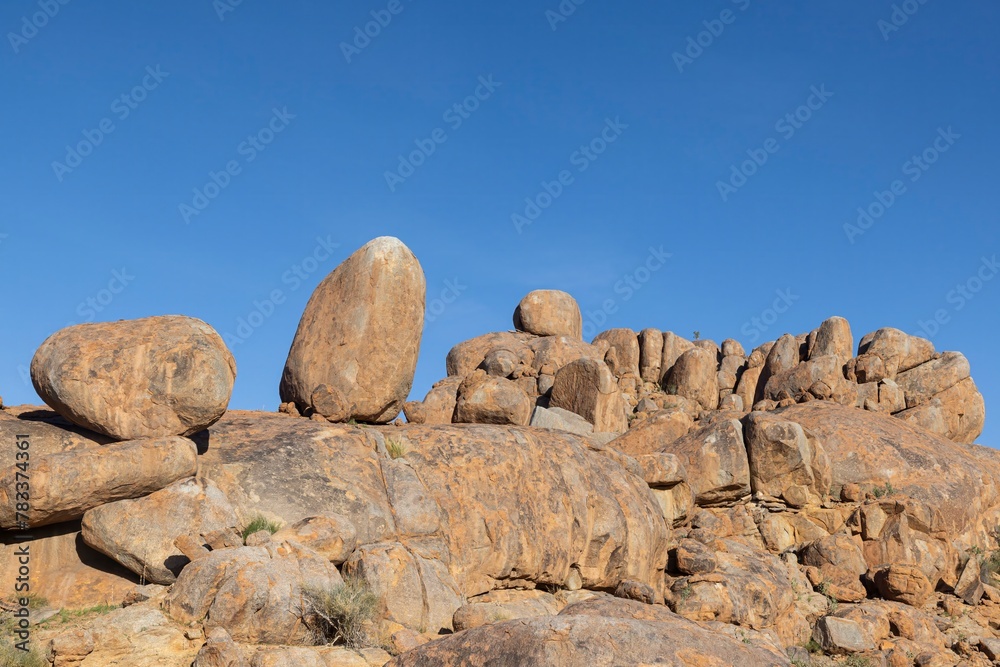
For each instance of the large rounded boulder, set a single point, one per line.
(549, 313)
(360, 333)
(146, 378)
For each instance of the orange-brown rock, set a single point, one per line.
(592, 633)
(549, 313)
(360, 332)
(695, 376)
(625, 343)
(903, 583)
(491, 400)
(833, 337)
(673, 347)
(783, 455)
(872, 450)
(140, 533)
(957, 413)
(497, 522)
(333, 537)
(715, 458)
(655, 433)
(64, 485)
(587, 388)
(254, 593)
(145, 378)
(650, 354)
(64, 570)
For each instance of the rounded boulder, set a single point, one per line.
(549, 313)
(360, 333)
(145, 378)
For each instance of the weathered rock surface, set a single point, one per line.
(625, 343)
(694, 376)
(715, 457)
(146, 378)
(360, 332)
(254, 593)
(871, 450)
(333, 537)
(418, 591)
(65, 485)
(64, 570)
(492, 400)
(496, 522)
(549, 313)
(140, 533)
(587, 388)
(583, 635)
(782, 455)
(655, 433)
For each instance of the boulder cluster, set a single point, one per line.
(637, 499)
(621, 376)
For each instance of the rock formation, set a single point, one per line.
(360, 334)
(638, 499)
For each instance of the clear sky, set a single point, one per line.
(196, 157)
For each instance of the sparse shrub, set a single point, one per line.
(397, 448)
(813, 646)
(260, 522)
(858, 661)
(343, 612)
(11, 656)
(67, 615)
(881, 491)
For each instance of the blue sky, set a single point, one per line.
(197, 157)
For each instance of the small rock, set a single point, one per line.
(331, 403)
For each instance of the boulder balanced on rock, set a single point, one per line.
(146, 378)
(360, 333)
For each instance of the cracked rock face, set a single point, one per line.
(145, 378)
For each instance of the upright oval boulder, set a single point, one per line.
(360, 333)
(147, 378)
